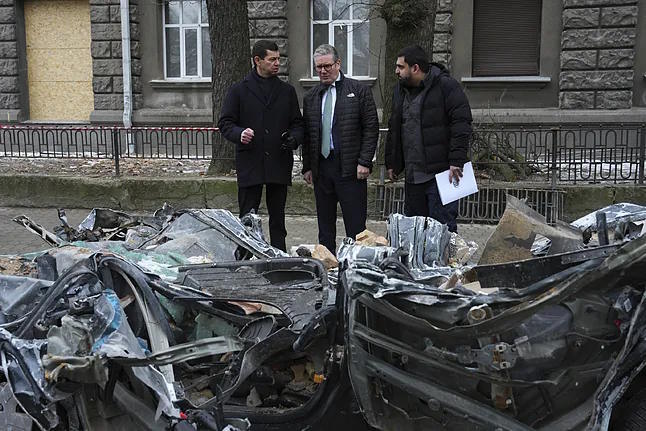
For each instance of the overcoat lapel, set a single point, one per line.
(254, 89)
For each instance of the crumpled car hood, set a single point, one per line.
(545, 343)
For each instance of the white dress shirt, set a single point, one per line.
(332, 91)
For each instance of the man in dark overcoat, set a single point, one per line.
(341, 135)
(261, 116)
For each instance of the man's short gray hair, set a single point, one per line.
(326, 49)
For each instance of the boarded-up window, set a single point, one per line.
(506, 37)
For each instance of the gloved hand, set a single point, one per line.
(288, 141)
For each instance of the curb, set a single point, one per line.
(146, 193)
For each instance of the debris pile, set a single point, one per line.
(190, 320)
(165, 319)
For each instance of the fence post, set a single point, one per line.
(555, 146)
(642, 153)
(116, 149)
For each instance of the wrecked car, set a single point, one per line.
(182, 318)
(190, 320)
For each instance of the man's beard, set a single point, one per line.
(406, 82)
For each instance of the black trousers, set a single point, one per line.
(424, 200)
(275, 198)
(331, 188)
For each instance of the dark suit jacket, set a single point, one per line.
(262, 161)
(355, 128)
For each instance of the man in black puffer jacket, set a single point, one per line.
(429, 132)
(341, 132)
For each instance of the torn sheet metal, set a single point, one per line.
(367, 278)
(538, 340)
(614, 213)
(124, 313)
(422, 245)
(43, 233)
(351, 251)
(22, 367)
(189, 351)
(249, 238)
(519, 276)
(11, 415)
(426, 240)
(296, 290)
(199, 235)
(160, 243)
(93, 328)
(149, 333)
(18, 296)
(516, 232)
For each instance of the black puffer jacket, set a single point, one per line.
(446, 124)
(355, 127)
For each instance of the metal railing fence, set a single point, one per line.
(548, 154)
(528, 161)
(112, 142)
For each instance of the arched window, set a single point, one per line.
(344, 24)
(187, 47)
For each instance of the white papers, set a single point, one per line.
(450, 192)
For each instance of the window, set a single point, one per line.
(506, 37)
(187, 47)
(344, 24)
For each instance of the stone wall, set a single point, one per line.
(268, 20)
(10, 96)
(443, 32)
(597, 56)
(107, 82)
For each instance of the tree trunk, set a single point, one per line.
(408, 22)
(230, 59)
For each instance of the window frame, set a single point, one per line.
(539, 42)
(182, 53)
(332, 23)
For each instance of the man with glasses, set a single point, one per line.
(261, 116)
(341, 132)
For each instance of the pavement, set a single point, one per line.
(15, 239)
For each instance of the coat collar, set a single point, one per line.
(252, 84)
(338, 84)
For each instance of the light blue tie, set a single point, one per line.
(326, 129)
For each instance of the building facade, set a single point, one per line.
(536, 61)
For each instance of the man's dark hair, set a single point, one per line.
(261, 47)
(414, 54)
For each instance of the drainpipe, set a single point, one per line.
(125, 66)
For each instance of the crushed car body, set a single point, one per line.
(190, 320)
(157, 322)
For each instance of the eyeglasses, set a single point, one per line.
(326, 67)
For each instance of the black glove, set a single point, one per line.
(288, 142)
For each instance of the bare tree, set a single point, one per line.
(407, 22)
(229, 34)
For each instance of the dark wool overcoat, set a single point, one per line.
(262, 161)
